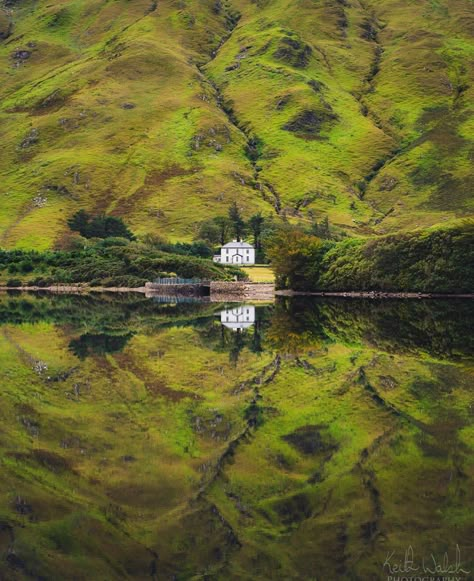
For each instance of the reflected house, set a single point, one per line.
(236, 253)
(238, 318)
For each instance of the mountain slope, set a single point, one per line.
(163, 113)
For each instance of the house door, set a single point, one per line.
(237, 259)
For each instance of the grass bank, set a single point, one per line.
(260, 273)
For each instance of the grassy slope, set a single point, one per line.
(179, 155)
(396, 76)
(89, 60)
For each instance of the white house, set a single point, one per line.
(236, 253)
(237, 318)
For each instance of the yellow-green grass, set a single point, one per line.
(259, 273)
(176, 158)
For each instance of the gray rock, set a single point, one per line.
(31, 139)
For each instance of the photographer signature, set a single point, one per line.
(432, 565)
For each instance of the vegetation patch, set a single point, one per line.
(310, 124)
(437, 260)
(311, 440)
(112, 262)
(293, 52)
(294, 509)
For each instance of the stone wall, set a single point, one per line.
(181, 290)
(228, 288)
(241, 291)
(219, 291)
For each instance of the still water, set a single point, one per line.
(306, 439)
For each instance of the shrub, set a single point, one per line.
(25, 266)
(41, 282)
(14, 282)
(125, 282)
(116, 263)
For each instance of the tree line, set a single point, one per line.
(436, 260)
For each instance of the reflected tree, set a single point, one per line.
(89, 345)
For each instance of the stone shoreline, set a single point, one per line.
(218, 291)
(376, 295)
(237, 291)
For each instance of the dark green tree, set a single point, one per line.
(256, 223)
(99, 226)
(225, 228)
(108, 227)
(322, 229)
(209, 231)
(215, 230)
(79, 222)
(237, 222)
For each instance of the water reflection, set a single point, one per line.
(91, 344)
(239, 317)
(440, 328)
(152, 440)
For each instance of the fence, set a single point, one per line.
(175, 280)
(178, 300)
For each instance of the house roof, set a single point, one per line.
(235, 244)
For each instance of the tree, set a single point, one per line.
(256, 224)
(225, 227)
(322, 230)
(79, 222)
(237, 222)
(292, 252)
(109, 227)
(209, 231)
(99, 226)
(215, 231)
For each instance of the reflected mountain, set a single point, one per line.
(147, 440)
(440, 328)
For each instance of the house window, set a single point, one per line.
(248, 251)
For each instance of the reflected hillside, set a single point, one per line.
(439, 328)
(143, 440)
(98, 311)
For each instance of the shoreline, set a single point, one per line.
(375, 295)
(85, 289)
(73, 289)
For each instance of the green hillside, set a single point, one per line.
(165, 112)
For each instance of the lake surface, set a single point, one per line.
(307, 439)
